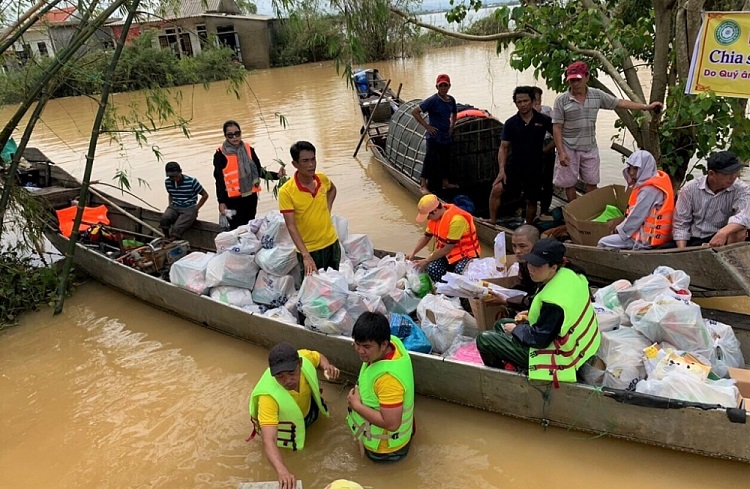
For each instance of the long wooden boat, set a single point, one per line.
(714, 272)
(703, 429)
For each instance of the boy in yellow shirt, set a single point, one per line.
(381, 406)
(281, 405)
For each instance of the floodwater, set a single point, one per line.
(114, 393)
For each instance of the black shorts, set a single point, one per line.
(526, 179)
(437, 160)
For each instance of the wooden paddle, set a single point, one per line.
(369, 120)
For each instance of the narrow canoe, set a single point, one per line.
(703, 429)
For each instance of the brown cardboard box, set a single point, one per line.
(487, 314)
(579, 213)
(742, 376)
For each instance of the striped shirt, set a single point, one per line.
(186, 194)
(579, 121)
(699, 212)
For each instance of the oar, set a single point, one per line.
(128, 214)
(369, 120)
(398, 92)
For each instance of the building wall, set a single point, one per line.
(33, 37)
(254, 38)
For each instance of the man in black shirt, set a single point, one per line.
(521, 155)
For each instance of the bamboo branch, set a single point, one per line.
(501, 36)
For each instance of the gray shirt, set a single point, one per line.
(648, 198)
(700, 212)
(579, 121)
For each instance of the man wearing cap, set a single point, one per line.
(281, 405)
(183, 207)
(574, 129)
(560, 331)
(441, 108)
(713, 210)
(456, 241)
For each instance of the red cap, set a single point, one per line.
(443, 78)
(577, 70)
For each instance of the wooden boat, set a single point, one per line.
(714, 272)
(704, 429)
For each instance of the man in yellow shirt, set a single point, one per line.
(281, 405)
(456, 241)
(306, 201)
(381, 405)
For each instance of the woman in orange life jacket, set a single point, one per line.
(238, 174)
(648, 222)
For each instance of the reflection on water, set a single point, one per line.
(113, 393)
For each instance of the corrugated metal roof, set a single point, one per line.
(191, 8)
(56, 16)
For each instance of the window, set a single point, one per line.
(42, 46)
(168, 40)
(185, 44)
(202, 35)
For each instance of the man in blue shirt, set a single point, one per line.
(441, 108)
(183, 207)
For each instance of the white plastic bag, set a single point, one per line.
(342, 227)
(234, 296)
(279, 260)
(396, 263)
(401, 301)
(247, 244)
(347, 270)
(359, 249)
(679, 280)
(341, 322)
(274, 233)
(607, 296)
(482, 268)
(378, 281)
(322, 294)
(677, 322)
(728, 350)
(232, 269)
(501, 259)
(273, 290)
(189, 272)
(225, 240)
(645, 288)
(678, 385)
(622, 353)
(442, 320)
(608, 319)
(281, 314)
(358, 303)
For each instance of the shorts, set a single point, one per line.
(527, 178)
(389, 457)
(328, 257)
(437, 160)
(583, 165)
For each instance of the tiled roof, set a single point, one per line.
(56, 16)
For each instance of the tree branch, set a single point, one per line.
(500, 36)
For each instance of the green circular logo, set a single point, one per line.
(727, 32)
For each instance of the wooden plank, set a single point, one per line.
(264, 485)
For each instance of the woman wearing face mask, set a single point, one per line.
(558, 334)
(238, 174)
(648, 220)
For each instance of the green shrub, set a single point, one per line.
(24, 286)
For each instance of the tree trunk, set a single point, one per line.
(95, 131)
(8, 37)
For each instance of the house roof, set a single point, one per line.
(58, 15)
(194, 8)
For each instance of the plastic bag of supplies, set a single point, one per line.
(396, 263)
(339, 323)
(443, 319)
(360, 302)
(358, 249)
(189, 272)
(342, 227)
(680, 385)
(279, 260)
(280, 314)
(234, 296)
(378, 281)
(274, 232)
(405, 329)
(322, 294)
(273, 290)
(232, 269)
(728, 350)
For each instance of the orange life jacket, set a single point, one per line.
(91, 216)
(467, 246)
(232, 173)
(657, 228)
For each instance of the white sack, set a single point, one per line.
(274, 233)
(189, 272)
(279, 260)
(607, 319)
(234, 296)
(224, 241)
(678, 385)
(247, 244)
(340, 323)
(232, 269)
(273, 290)
(378, 281)
(442, 320)
(622, 352)
(359, 249)
(322, 294)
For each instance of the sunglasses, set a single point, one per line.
(444, 85)
(231, 135)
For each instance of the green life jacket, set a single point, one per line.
(369, 434)
(291, 427)
(579, 336)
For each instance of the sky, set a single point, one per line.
(264, 6)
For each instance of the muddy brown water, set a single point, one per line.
(114, 393)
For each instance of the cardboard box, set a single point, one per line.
(742, 376)
(579, 213)
(487, 314)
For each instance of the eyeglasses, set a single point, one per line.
(231, 135)
(444, 85)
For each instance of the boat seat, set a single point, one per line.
(382, 112)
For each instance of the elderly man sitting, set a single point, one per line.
(713, 210)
